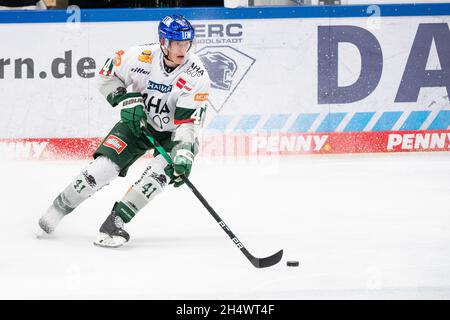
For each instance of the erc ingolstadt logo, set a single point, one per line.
(226, 67)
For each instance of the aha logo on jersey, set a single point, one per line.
(195, 71)
(226, 67)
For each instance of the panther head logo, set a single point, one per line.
(221, 69)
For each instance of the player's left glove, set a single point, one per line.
(183, 158)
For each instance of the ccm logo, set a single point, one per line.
(115, 143)
(201, 97)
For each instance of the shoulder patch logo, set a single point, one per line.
(146, 56)
(115, 143)
(118, 58)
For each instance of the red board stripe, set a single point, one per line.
(250, 145)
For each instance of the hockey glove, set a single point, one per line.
(132, 112)
(183, 158)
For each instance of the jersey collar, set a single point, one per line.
(161, 64)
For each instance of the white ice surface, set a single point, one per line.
(362, 227)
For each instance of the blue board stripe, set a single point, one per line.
(387, 121)
(247, 122)
(415, 120)
(219, 123)
(441, 122)
(359, 121)
(331, 122)
(275, 122)
(214, 13)
(303, 122)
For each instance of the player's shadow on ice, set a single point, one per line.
(175, 242)
(75, 239)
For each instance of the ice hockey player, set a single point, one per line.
(166, 85)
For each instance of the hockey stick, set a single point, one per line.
(257, 262)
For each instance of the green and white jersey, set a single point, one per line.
(171, 99)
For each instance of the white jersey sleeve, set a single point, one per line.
(114, 77)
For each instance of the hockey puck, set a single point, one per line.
(292, 263)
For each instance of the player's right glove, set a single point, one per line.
(132, 113)
(183, 158)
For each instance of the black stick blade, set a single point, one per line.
(268, 261)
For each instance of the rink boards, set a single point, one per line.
(285, 80)
(253, 146)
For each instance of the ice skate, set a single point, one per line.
(50, 220)
(112, 234)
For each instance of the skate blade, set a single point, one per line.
(106, 241)
(41, 233)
